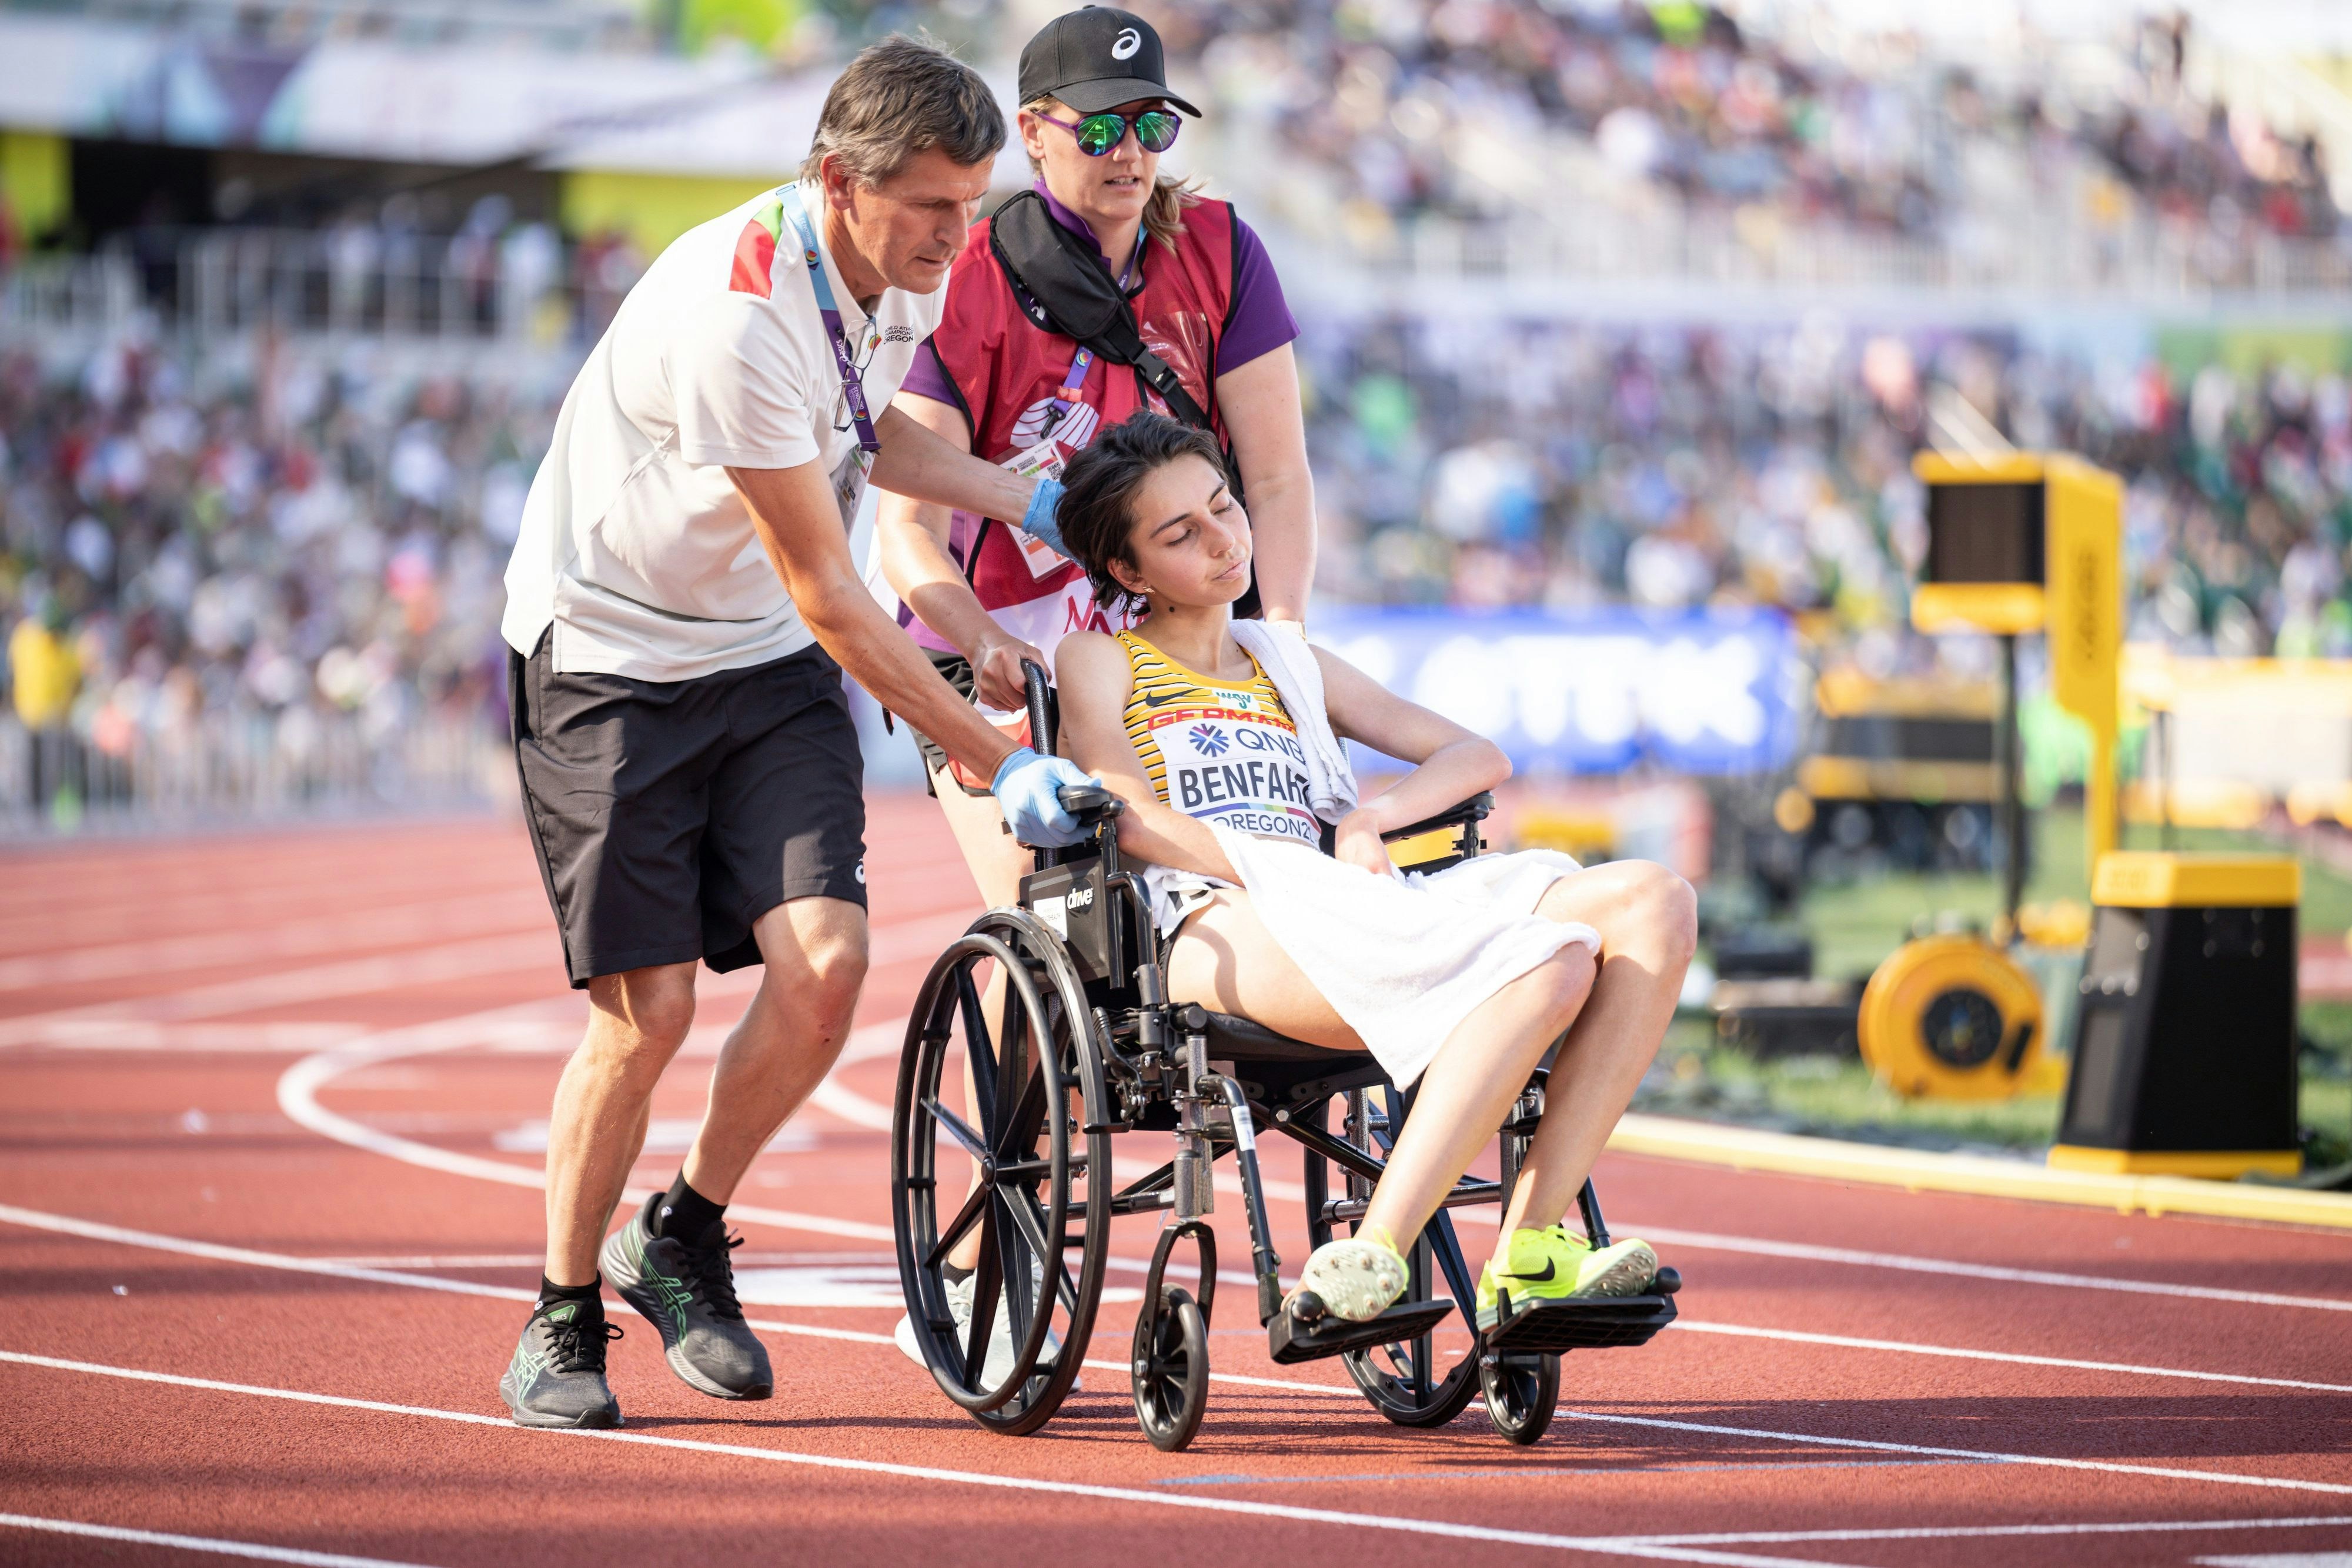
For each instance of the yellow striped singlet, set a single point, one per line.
(1224, 751)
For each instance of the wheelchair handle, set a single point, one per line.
(1090, 801)
(1034, 675)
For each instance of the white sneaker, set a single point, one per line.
(1000, 1334)
(1357, 1279)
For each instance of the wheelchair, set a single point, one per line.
(1087, 1048)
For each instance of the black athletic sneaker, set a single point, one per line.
(557, 1376)
(687, 1290)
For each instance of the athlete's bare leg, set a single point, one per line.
(1648, 921)
(1226, 959)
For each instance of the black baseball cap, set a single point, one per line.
(1095, 58)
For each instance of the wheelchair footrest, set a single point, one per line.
(1291, 1340)
(1598, 1323)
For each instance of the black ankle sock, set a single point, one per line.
(587, 1297)
(955, 1276)
(684, 1212)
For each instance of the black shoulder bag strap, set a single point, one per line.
(1062, 286)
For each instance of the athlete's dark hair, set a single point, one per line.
(1097, 508)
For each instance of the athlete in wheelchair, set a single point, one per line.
(1241, 945)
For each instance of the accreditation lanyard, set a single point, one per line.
(853, 385)
(1065, 396)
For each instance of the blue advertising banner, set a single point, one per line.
(1593, 692)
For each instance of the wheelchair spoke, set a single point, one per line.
(979, 1046)
(958, 1129)
(1017, 1253)
(1024, 1120)
(987, 1285)
(1030, 1215)
(1012, 1070)
(1029, 1219)
(956, 1230)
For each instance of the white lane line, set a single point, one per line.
(856, 1109)
(297, 1097)
(2282, 1560)
(409, 971)
(370, 933)
(251, 1549)
(1148, 1498)
(340, 1269)
(1993, 1532)
(90, 1229)
(1908, 1263)
(2049, 1461)
(1846, 1342)
(1761, 1247)
(281, 1037)
(743, 1259)
(67, 1226)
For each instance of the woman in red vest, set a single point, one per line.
(982, 595)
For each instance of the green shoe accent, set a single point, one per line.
(1544, 1265)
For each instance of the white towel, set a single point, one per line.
(1281, 650)
(1404, 960)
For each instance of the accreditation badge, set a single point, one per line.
(1045, 460)
(849, 478)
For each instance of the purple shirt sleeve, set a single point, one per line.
(928, 378)
(1261, 320)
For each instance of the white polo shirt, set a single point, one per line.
(633, 545)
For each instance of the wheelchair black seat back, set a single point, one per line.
(1086, 1048)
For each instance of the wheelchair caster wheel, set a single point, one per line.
(1522, 1391)
(1170, 1369)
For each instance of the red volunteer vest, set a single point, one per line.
(1005, 369)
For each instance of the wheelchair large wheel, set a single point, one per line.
(1420, 1382)
(1039, 1197)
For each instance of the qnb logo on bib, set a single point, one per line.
(1247, 774)
(1128, 42)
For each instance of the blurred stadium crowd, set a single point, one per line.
(283, 578)
(1672, 466)
(1406, 105)
(325, 548)
(263, 593)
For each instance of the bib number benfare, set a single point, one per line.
(1234, 769)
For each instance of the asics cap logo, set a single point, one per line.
(1126, 43)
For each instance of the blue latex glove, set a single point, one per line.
(1039, 522)
(1027, 788)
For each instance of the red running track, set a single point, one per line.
(269, 1113)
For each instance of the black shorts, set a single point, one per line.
(669, 816)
